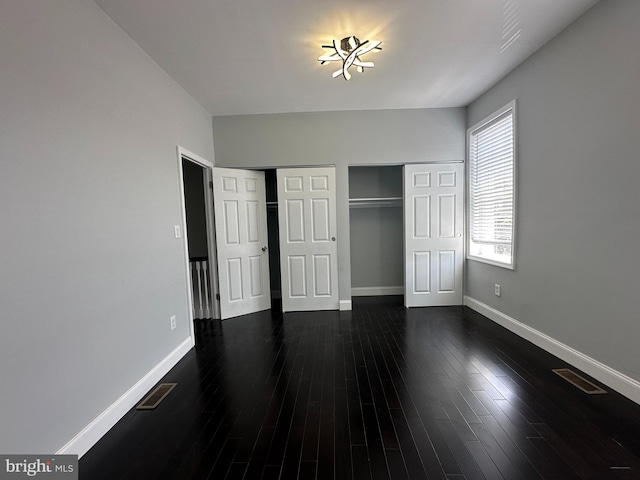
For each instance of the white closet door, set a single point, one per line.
(240, 209)
(308, 247)
(433, 224)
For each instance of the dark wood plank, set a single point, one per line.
(413, 461)
(483, 460)
(375, 448)
(308, 470)
(554, 461)
(326, 434)
(397, 467)
(469, 462)
(236, 471)
(361, 466)
(503, 459)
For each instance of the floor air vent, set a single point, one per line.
(582, 383)
(152, 400)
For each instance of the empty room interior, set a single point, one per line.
(363, 239)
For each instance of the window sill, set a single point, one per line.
(495, 263)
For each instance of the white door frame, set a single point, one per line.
(185, 154)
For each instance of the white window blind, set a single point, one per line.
(492, 188)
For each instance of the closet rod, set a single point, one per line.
(375, 202)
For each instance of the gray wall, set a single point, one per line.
(576, 277)
(377, 247)
(342, 139)
(89, 195)
(376, 181)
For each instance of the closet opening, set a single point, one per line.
(273, 235)
(376, 230)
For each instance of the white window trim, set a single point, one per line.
(512, 265)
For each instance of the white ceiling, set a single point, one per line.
(259, 56)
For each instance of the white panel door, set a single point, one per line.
(433, 224)
(308, 247)
(240, 210)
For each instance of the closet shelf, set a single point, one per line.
(375, 202)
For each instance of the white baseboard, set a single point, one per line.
(618, 381)
(89, 435)
(376, 291)
(344, 305)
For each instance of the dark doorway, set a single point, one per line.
(199, 262)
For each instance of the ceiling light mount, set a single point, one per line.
(348, 51)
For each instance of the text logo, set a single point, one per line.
(50, 467)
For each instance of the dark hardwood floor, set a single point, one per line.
(380, 392)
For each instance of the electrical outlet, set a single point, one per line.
(173, 322)
(176, 231)
(497, 290)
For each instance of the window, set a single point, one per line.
(491, 181)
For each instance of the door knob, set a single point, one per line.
(264, 248)
(333, 239)
(458, 234)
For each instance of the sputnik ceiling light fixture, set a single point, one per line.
(349, 50)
